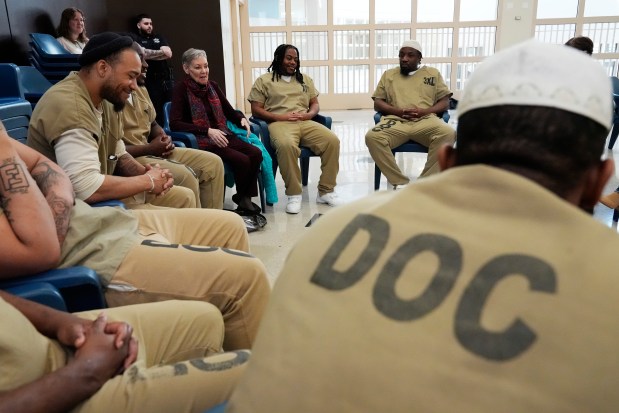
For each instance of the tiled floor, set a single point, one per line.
(355, 180)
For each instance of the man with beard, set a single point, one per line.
(78, 125)
(158, 53)
(409, 99)
(287, 100)
(144, 254)
(485, 288)
(200, 171)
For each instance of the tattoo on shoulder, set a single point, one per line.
(45, 176)
(61, 210)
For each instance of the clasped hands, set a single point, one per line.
(162, 179)
(413, 113)
(161, 146)
(296, 116)
(103, 348)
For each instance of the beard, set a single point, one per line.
(109, 93)
(405, 70)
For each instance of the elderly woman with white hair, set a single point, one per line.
(200, 107)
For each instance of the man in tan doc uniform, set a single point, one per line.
(77, 124)
(157, 254)
(200, 171)
(287, 100)
(409, 97)
(485, 288)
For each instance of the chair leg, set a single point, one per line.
(613, 136)
(261, 192)
(304, 170)
(376, 177)
(615, 215)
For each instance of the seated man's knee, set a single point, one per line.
(375, 139)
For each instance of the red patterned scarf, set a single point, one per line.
(197, 95)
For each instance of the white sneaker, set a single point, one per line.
(294, 204)
(329, 199)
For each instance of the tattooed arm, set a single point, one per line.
(29, 242)
(53, 183)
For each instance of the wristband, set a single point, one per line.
(152, 184)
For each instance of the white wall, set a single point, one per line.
(226, 39)
(516, 22)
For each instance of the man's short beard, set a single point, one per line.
(405, 71)
(109, 94)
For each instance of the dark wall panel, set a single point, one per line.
(7, 46)
(184, 23)
(28, 16)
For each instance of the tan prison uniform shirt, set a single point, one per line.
(471, 291)
(25, 354)
(422, 89)
(66, 106)
(138, 119)
(280, 96)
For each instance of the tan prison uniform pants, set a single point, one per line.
(286, 138)
(392, 132)
(176, 197)
(172, 372)
(195, 254)
(200, 171)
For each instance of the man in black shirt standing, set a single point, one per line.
(157, 52)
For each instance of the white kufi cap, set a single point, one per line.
(412, 43)
(540, 74)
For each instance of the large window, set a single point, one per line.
(559, 20)
(346, 45)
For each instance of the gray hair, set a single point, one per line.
(191, 54)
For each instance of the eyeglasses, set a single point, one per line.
(78, 20)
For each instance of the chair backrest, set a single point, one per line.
(187, 139)
(33, 83)
(49, 48)
(166, 116)
(9, 79)
(615, 82)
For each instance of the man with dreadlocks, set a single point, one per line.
(287, 100)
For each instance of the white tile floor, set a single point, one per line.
(355, 180)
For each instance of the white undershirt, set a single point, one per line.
(77, 153)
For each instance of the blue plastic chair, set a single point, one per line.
(69, 289)
(50, 49)
(33, 84)
(220, 408)
(410, 146)
(9, 79)
(306, 153)
(15, 111)
(50, 58)
(189, 140)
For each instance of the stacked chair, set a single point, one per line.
(50, 58)
(33, 84)
(15, 111)
(68, 289)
